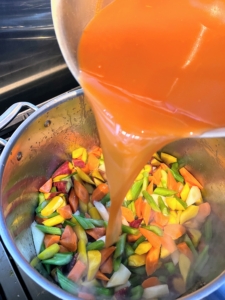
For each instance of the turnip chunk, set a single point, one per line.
(193, 196)
(119, 277)
(38, 237)
(102, 210)
(102, 238)
(156, 291)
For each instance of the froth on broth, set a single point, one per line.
(153, 71)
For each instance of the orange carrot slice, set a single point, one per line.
(168, 243)
(73, 200)
(107, 266)
(189, 178)
(183, 248)
(97, 151)
(146, 212)
(81, 191)
(51, 239)
(153, 239)
(101, 276)
(150, 188)
(131, 238)
(96, 232)
(127, 214)
(171, 181)
(105, 253)
(93, 162)
(65, 211)
(101, 190)
(138, 205)
(86, 296)
(149, 282)
(78, 271)
(160, 219)
(152, 259)
(46, 188)
(164, 167)
(174, 230)
(86, 169)
(63, 249)
(69, 239)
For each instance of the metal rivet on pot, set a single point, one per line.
(19, 156)
(47, 123)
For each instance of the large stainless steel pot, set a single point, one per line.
(46, 138)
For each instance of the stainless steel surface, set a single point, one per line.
(12, 111)
(31, 65)
(59, 125)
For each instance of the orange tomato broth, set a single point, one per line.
(154, 72)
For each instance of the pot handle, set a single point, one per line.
(12, 111)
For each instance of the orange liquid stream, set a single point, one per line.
(154, 71)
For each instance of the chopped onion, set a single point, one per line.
(119, 277)
(122, 286)
(156, 291)
(175, 257)
(102, 210)
(38, 237)
(193, 196)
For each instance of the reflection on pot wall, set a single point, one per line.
(31, 65)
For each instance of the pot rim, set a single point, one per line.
(9, 243)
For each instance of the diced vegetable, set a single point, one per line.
(156, 291)
(119, 277)
(38, 237)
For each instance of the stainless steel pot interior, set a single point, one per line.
(47, 138)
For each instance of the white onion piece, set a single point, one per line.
(38, 237)
(175, 257)
(102, 238)
(122, 286)
(119, 277)
(102, 210)
(193, 196)
(156, 291)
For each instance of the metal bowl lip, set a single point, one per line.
(8, 241)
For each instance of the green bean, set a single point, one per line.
(97, 245)
(201, 260)
(157, 230)
(67, 284)
(49, 229)
(151, 201)
(188, 241)
(129, 230)
(164, 209)
(47, 217)
(98, 223)
(59, 259)
(138, 270)
(105, 199)
(116, 263)
(84, 223)
(176, 175)
(170, 267)
(128, 250)
(103, 291)
(208, 231)
(67, 222)
(164, 192)
(120, 246)
(136, 189)
(136, 292)
(138, 241)
(41, 198)
(41, 206)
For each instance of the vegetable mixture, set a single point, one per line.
(165, 230)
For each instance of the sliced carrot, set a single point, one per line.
(179, 188)
(86, 296)
(131, 238)
(101, 276)
(127, 214)
(93, 162)
(160, 219)
(189, 178)
(100, 192)
(164, 167)
(203, 212)
(168, 243)
(152, 259)
(153, 239)
(69, 239)
(138, 205)
(73, 200)
(150, 188)
(157, 175)
(183, 248)
(97, 151)
(175, 231)
(146, 212)
(105, 253)
(81, 192)
(149, 282)
(171, 181)
(86, 169)
(46, 188)
(63, 249)
(51, 239)
(65, 211)
(96, 232)
(78, 271)
(107, 266)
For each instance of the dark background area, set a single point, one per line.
(32, 68)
